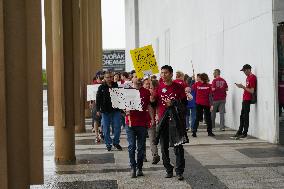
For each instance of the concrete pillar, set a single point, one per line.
(78, 80)
(86, 52)
(49, 60)
(3, 124)
(63, 66)
(97, 40)
(21, 152)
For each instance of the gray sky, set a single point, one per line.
(113, 21)
(113, 26)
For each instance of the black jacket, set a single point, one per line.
(173, 121)
(103, 100)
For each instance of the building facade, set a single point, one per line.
(210, 34)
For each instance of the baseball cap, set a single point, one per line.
(246, 67)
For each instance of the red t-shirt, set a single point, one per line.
(165, 92)
(220, 86)
(181, 82)
(140, 118)
(96, 82)
(250, 83)
(203, 91)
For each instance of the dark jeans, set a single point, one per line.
(179, 152)
(244, 118)
(199, 115)
(133, 133)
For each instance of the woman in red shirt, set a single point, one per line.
(203, 103)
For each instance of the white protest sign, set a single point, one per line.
(92, 91)
(125, 99)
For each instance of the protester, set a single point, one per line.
(147, 84)
(109, 114)
(96, 120)
(248, 98)
(219, 92)
(203, 103)
(180, 79)
(281, 91)
(170, 96)
(153, 77)
(137, 128)
(125, 80)
(191, 110)
(116, 78)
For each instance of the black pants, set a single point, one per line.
(179, 152)
(244, 118)
(199, 115)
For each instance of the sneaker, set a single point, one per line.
(109, 148)
(244, 135)
(236, 135)
(98, 140)
(169, 175)
(156, 160)
(118, 147)
(193, 135)
(180, 177)
(93, 130)
(133, 173)
(140, 173)
(211, 134)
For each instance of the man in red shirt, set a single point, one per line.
(219, 92)
(166, 92)
(249, 90)
(137, 123)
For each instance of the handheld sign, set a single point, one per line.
(144, 61)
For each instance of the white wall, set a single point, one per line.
(129, 32)
(223, 34)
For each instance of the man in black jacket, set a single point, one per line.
(165, 95)
(109, 114)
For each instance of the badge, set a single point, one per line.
(164, 90)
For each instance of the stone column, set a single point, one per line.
(21, 152)
(86, 51)
(97, 40)
(63, 66)
(49, 60)
(78, 59)
(3, 124)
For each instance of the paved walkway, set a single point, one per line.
(218, 162)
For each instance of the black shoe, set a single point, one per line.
(140, 173)
(211, 134)
(133, 173)
(169, 175)
(193, 135)
(180, 177)
(118, 147)
(238, 134)
(109, 148)
(244, 135)
(156, 160)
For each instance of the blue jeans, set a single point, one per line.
(114, 119)
(134, 132)
(190, 117)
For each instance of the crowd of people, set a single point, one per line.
(171, 108)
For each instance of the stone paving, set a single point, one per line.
(218, 162)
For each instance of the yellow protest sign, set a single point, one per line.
(144, 61)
